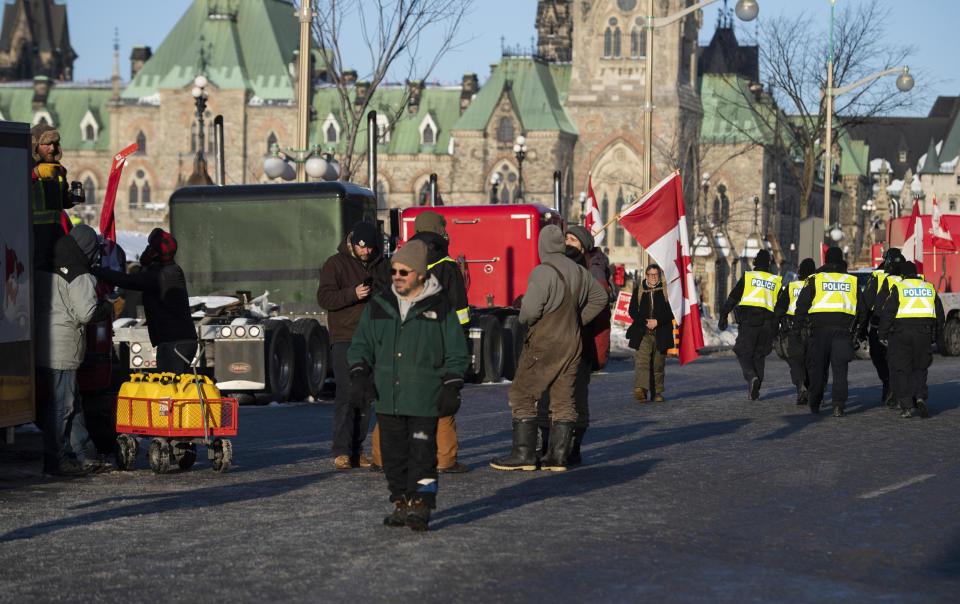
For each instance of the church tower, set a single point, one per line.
(35, 41)
(554, 30)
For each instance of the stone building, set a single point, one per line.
(35, 40)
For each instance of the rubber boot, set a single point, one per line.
(561, 439)
(523, 455)
(418, 514)
(574, 458)
(399, 516)
(543, 437)
(802, 395)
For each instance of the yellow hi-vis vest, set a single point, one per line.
(917, 299)
(463, 314)
(793, 290)
(834, 292)
(760, 289)
(47, 196)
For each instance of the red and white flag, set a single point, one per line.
(658, 222)
(108, 227)
(592, 221)
(941, 235)
(913, 242)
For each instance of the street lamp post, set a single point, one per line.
(583, 207)
(303, 83)
(520, 151)
(495, 180)
(746, 10)
(200, 95)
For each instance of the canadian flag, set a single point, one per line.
(592, 221)
(941, 236)
(108, 227)
(913, 242)
(658, 222)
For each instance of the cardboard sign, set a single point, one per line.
(622, 310)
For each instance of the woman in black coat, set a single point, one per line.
(651, 334)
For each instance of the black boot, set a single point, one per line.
(399, 516)
(523, 455)
(922, 408)
(754, 388)
(574, 459)
(561, 439)
(890, 399)
(543, 437)
(418, 514)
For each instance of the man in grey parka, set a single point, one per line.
(561, 296)
(66, 300)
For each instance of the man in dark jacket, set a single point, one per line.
(650, 334)
(66, 301)
(910, 321)
(166, 305)
(874, 296)
(754, 296)
(347, 281)
(785, 314)
(409, 355)
(561, 296)
(831, 304)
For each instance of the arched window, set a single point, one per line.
(145, 193)
(271, 141)
(428, 136)
(505, 132)
(141, 142)
(134, 196)
(504, 194)
(423, 198)
(89, 191)
(381, 195)
(616, 43)
(331, 133)
(607, 44)
(617, 229)
(635, 44)
(88, 133)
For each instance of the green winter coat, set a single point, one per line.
(409, 358)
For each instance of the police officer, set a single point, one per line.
(832, 306)
(49, 193)
(874, 296)
(910, 320)
(795, 342)
(754, 297)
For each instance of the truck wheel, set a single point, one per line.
(492, 352)
(512, 345)
(949, 342)
(278, 359)
(160, 455)
(311, 349)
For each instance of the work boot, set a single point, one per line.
(905, 413)
(922, 410)
(658, 397)
(543, 437)
(342, 462)
(754, 389)
(640, 394)
(363, 461)
(838, 411)
(891, 399)
(399, 516)
(523, 454)
(561, 439)
(418, 515)
(574, 458)
(802, 396)
(456, 468)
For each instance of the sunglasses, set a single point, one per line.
(400, 271)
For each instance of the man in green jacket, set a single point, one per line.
(408, 354)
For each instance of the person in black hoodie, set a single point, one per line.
(832, 306)
(165, 302)
(795, 343)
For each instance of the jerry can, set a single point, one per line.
(187, 413)
(131, 389)
(160, 388)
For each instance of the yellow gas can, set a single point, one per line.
(129, 390)
(187, 413)
(160, 388)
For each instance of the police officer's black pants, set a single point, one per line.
(909, 357)
(878, 356)
(754, 343)
(829, 348)
(796, 349)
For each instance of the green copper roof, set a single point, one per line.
(534, 93)
(730, 112)
(854, 156)
(951, 145)
(66, 106)
(246, 44)
(931, 165)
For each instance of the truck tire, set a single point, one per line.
(513, 334)
(949, 341)
(492, 348)
(311, 349)
(278, 359)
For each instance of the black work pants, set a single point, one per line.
(878, 356)
(408, 445)
(829, 349)
(909, 356)
(350, 425)
(796, 349)
(754, 343)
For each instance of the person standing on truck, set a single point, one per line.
(832, 306)
(795, 344)
(910, 321)
(754, 297)
(409, 355)
(49, 193)
(650, 334)
(560, 297)
(347, 281)
(66, 301)
(166, 305)
(874, 296)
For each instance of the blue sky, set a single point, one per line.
(928, 25)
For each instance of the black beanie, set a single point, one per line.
(762, 260)
(909, 269)
(806, 268)
(834, 255)
(364, 234)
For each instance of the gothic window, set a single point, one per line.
(145, 193)
(271, 141)
(953, 205)
(427, 135)
(134, 196)
(504, 194)
(141, 142)
(617, 229)
(331, 133)
(616, 43)
(89, 191)
(505, 132)
(638, 43)
(381, 195)
(424, 197)
(627, 5)
(607, 44)
(88, 133)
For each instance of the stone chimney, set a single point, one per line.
(468, 88)
(138, 56)
(415, 88)
(349, 77)
(362, 89)
(41, 90)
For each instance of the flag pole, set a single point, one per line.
(612, 220)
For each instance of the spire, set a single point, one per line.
(116, 64)
(931, 165)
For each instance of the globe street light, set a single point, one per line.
(520, 151)
(316, 164)
(495, 180)
(200, 95)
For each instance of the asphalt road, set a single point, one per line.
(707, 497)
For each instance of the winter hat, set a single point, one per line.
(44, 134)
(806, 268)
(909, 269)
(364, 234)
(431, 222)
(550, 241)
(762, 260)
(163, 243)
(834, 255)
(583, 236)
(87, 240)
(413, 255)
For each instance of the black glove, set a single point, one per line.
(856, 343)
(882, 339)
(362, 389)
(448, 402)
(722, 322)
